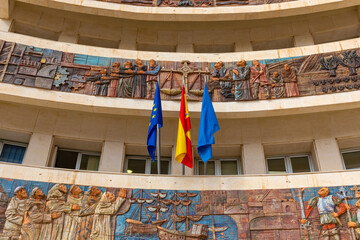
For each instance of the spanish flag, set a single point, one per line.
(183, 144)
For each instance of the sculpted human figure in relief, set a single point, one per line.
(329, 217)
(221, 74)
(114, 80)
(139, 83)
(15, 213)
(86, 214)
(125, 87)
(259, 79)
(290, 79)
(108, 205)
(37, 218)
(72, 210)
(241, 76)
(354, 221)
(56, 205)
(102, 83)
(278, 85)
(152, 77)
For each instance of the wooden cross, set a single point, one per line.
(185, 70)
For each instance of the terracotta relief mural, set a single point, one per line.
(233, 81)
(39, 210)
(195, 3)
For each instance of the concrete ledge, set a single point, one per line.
(141, 107)
(170, 182)
(229, 13)
(174, 56)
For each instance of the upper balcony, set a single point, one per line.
(191, 10)
(299, 80)
(218, 30)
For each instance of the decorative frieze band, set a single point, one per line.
(133, 78)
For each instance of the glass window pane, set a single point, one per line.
(352, 160)
(66, 159)
(300, 164)
(89, 162)
(229, 167)
(276, 166)
(210, 168)
(136, 165)
(164, 167)
(12, 153)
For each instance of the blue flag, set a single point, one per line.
(208, 127)
(156, 119)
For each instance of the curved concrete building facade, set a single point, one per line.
(77, 83)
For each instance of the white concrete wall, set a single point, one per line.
(38, 150)
(329, 179)
(183, 36)
(211, 14)
(257, 137)
(112, 157)
(328, 154)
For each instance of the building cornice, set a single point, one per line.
(169, 182)
(228, 13)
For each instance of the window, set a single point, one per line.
(141, 164)
(351, 159)
(219, 167)
(78, 160)
(12, 152)
(289, 164)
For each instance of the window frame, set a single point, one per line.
(19, 144)
(147, 163)
(350, 150)
(218, 166)
(79, 156)
(287, 160)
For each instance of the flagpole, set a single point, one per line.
(158, 147)
(158, 141)
(183, 166)
(205, 163)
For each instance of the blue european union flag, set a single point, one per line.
(156, 119)
(208, 127)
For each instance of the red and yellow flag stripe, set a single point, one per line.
(183, 144)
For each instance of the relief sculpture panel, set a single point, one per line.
(243, 80)
(40, 210)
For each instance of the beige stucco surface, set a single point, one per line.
(248, 139)
(90, 29)
(142, 107)
(321, 125)
(228, 13)
(177, 56)
(107, 179)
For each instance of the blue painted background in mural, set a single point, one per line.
(233, 214)
(142, 213)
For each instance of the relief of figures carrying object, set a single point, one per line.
(39, 210)
(241, 81)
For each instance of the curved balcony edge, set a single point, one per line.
(227, 13)
(178, 56)
(141, 107)
(246, 182)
